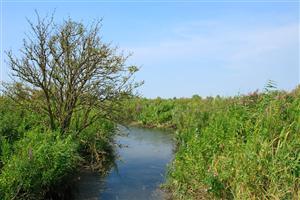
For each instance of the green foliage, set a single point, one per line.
(5, 151)
(14, 121)
(96, 145)
(35, 162)
(66, 95)
(150, 113)
(245, 147)
(39, 160)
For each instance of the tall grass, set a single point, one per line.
(244, 147)
(38, 162)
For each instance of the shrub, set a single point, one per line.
(95, 145)
(39, 161)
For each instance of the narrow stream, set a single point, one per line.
(141, 169)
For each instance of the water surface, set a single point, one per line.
(140, 170)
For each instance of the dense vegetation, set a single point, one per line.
(243, 147)
(59, 112)
(69, 89)
(37, 163)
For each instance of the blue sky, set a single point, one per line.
(184, 48)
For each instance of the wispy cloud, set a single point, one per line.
(241, 56)
(235, 46)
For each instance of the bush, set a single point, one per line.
(95, 145)
(38, 162)
(11, 121)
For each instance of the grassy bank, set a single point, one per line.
(243, 147)
(37, 163)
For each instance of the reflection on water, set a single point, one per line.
(141, 168)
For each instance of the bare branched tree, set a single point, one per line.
(75, 73)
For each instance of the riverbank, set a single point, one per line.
(161, 127)
(243, 147)
(37, 163)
